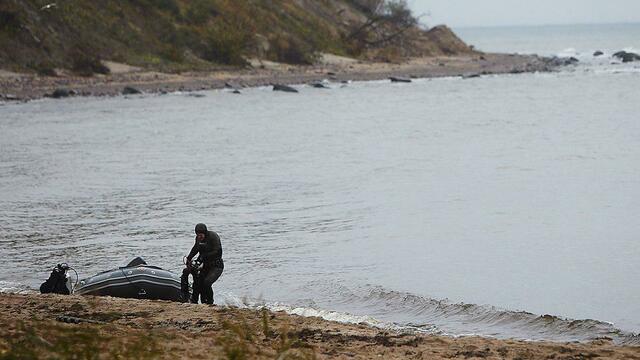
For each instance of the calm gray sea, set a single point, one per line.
(450, 206)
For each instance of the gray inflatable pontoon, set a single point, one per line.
(137, 280)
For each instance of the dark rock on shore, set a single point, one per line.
(598, 53)
(399, 79)
(10, 97)
(558, 61)
(230, 86)
(285, 88)
(554, 61)
(318, 85)
(627, 56)
(62, 93)
(129, 90)
(470, 76)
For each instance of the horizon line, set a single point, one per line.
(540, 24)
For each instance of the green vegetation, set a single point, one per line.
(239, 338)
(266, 329)
(9, 22)
(177, 35)
(75, 342)
(98, 339)
(87, 65)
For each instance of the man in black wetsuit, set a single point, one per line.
(210, 249)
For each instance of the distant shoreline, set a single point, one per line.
(38, 326)
(456, 28)
(24, 87)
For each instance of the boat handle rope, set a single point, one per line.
(73, 287)
(141, 291)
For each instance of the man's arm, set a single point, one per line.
(193, 252)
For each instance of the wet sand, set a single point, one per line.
(21, 87)
(40, 326)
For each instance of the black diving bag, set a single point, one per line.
(57, 281)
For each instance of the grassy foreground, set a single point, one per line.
(73, 327)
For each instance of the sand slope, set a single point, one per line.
(40, 326)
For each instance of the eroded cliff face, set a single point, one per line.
(178, 35)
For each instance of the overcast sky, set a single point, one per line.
(459, 13)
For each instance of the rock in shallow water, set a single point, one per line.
(285, 88)
(627, 56)
(399, 79)
(558, 61)
(319, 85)
(129, 90)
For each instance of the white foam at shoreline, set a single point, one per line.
(519, 325)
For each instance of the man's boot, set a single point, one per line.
(207, 295)
(184, 285)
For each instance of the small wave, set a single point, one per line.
(404, 312)
(329, 315)
(462, 318)
(589, 57)
(326, 314)
(459, 319)
(631, 49)
(568, 52)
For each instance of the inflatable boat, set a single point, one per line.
(137, 280)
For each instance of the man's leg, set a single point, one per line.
(207, 295)
(207, 284)
(184, 285)
(197, 287)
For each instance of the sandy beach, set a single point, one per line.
(57, 326)
(21, 87)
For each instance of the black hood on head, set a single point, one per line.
(201, 229)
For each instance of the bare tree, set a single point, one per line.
(385, 21)
(368, 7)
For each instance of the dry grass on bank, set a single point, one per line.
(73, 327)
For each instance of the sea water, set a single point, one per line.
(502, 206)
